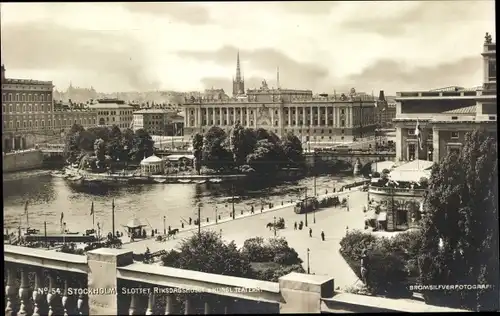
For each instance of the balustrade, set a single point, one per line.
(43, 282)
(38, 282)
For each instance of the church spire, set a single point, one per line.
(238, 69)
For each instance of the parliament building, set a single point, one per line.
(324, 118)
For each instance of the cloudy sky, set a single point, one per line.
(323, 46)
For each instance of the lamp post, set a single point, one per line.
(164, 225)
(308, 267)
(314, 208)
(305, 207)
(274, 226)
(216, 218)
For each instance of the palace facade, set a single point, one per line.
(27, 111)
(446, 115)
(343, 117)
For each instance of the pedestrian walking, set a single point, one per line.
(220, 233)
(190, 221)
(310, 232)
(323, 235)
(295, 226)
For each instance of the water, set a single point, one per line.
(49, 196)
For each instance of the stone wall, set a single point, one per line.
(25, 160)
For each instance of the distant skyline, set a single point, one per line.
(322, 46)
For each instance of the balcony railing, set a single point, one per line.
(388, 190)
(108, 282)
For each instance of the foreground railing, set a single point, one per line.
(108, 282)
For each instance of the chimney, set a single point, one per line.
(381, 96)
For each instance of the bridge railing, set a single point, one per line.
(108, 282)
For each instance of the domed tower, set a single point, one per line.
(239, 81)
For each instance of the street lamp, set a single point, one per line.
(274, 226)
(216, 218)
(305, 207)
(308, 267)
(164, 225)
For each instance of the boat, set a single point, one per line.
(216, 180)
(184, 180)
(160, 180)
(201, 181)
(75, 179)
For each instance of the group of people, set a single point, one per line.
(301, 224)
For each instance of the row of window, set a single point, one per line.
(64, 122)
(22, 97)
(114, 112)
(25, 108)
(454, 135)
(276, 123)
(308, 111)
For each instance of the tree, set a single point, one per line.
(265, 157)
(198, 151)
(101, 132)
(143, 145)
(71, 148)
(461, 210)
(100, 151)
(215, 153)
(292, 149)
(113, 146)
(208, 253)
(243, 141)
(127, 143)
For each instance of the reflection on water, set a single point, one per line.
(49, 196)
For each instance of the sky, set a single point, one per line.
(322, 46)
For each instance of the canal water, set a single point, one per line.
(48, 196)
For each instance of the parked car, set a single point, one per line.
(306, 205)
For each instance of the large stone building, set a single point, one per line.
(113, 112)
(446, 115)
(27, 111)
(327, 118)
(66, 115)
(158, 122)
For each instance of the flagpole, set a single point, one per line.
(113, 217)
(27, 219)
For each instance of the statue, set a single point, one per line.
(264, 84)
(487, 38)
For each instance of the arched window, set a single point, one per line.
(23, 97)
(10, 97)
(35, 97)
(42, 97)
(18, 124)
(24, 124)
(17, 107)
(29, 98)
(17, 96)
(48, 123)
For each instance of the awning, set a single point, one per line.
(382, 216)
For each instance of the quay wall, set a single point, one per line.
(23, 160)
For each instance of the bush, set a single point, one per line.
(392, 261)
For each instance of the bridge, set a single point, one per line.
(347, 158)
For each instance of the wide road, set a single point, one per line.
(324, 257)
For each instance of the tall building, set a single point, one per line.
(158, 122)
(445, 115)
(239, 81)
(27, 111)
(325, 119)
(113, 112)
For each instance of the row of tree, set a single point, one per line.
(107, 143)
(248, 149)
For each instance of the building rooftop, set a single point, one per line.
(110, 105)
(465, 110)
(154, 111)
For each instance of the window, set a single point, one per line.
(30, 124)
(42, 97)
(342, 123)
(36, 123)
(35, 97)
(10, 97)
(10, 108)
(23, 97)
(4, 108)
(24, 124)
(342, 111)
(17, 96)
(36, 108)
(43, 123)
(48, 122)
(411, 151)
(454, 117)
(492, 118)
(411, 132)
(454, 135)
(29, 98)
(342, 131)
(30, 108)
(17, 107)
(11, 124)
